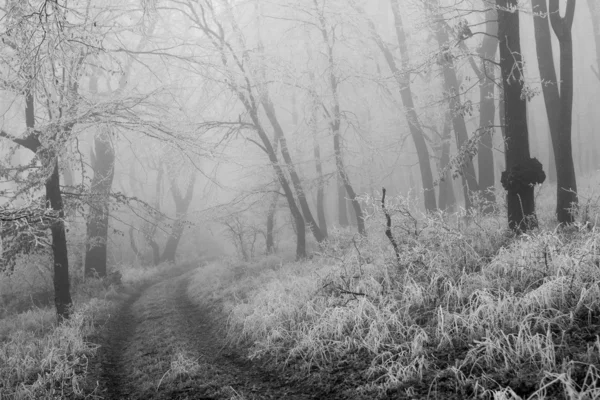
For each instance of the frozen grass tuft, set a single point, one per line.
(499, 316)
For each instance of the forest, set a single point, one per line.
(299, 199)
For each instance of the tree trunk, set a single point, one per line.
(289, 195)
(487, 111)
(458, 121)
(342, 206)
(335, 122)
(347, 186)
(522, 172)
(296, 182)
(270, 241)
(558, 105)
(566, 181)
(403, 81)
(182, 204)
(321, 179)
(447, 199)
(62, 291)
(103, 158)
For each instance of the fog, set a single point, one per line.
(215, 115)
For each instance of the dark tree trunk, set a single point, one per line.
(103, 158)
(522, 172)
(458, 121)
(182, 204)
(296, 182)
(403, 80)
(62, 291)
(566, 181)
(558, 104)
(447, 199)
(543, 44)
(487, 111)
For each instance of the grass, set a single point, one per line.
(468, 310)
(38, 357)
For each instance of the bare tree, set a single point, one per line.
(558, 100)
(402, 78)
(453, 95)
(334, 114)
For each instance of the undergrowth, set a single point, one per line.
(40, 358)
(467, 310)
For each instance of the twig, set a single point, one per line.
(388, 230)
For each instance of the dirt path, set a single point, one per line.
(161, 346)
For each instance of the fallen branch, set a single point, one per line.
(388, 230)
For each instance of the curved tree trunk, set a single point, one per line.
(403, 80)
(295, 178)
(289, 195)
(414, 125)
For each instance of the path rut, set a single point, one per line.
(160, 345)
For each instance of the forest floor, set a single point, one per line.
(159, 345)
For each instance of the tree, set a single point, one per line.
(45, 60)
(102, 162)
(558, 100)
(246, 86)
(446, 197)
(313, 126)
(334, 115)
(522, 172)
(402, 79)
(487, 108)
(452, 93)
(182, 204)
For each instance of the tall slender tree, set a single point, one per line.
(558, 97)
(452, 92)
(401, 76)
(487, 108)
(334, 115)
